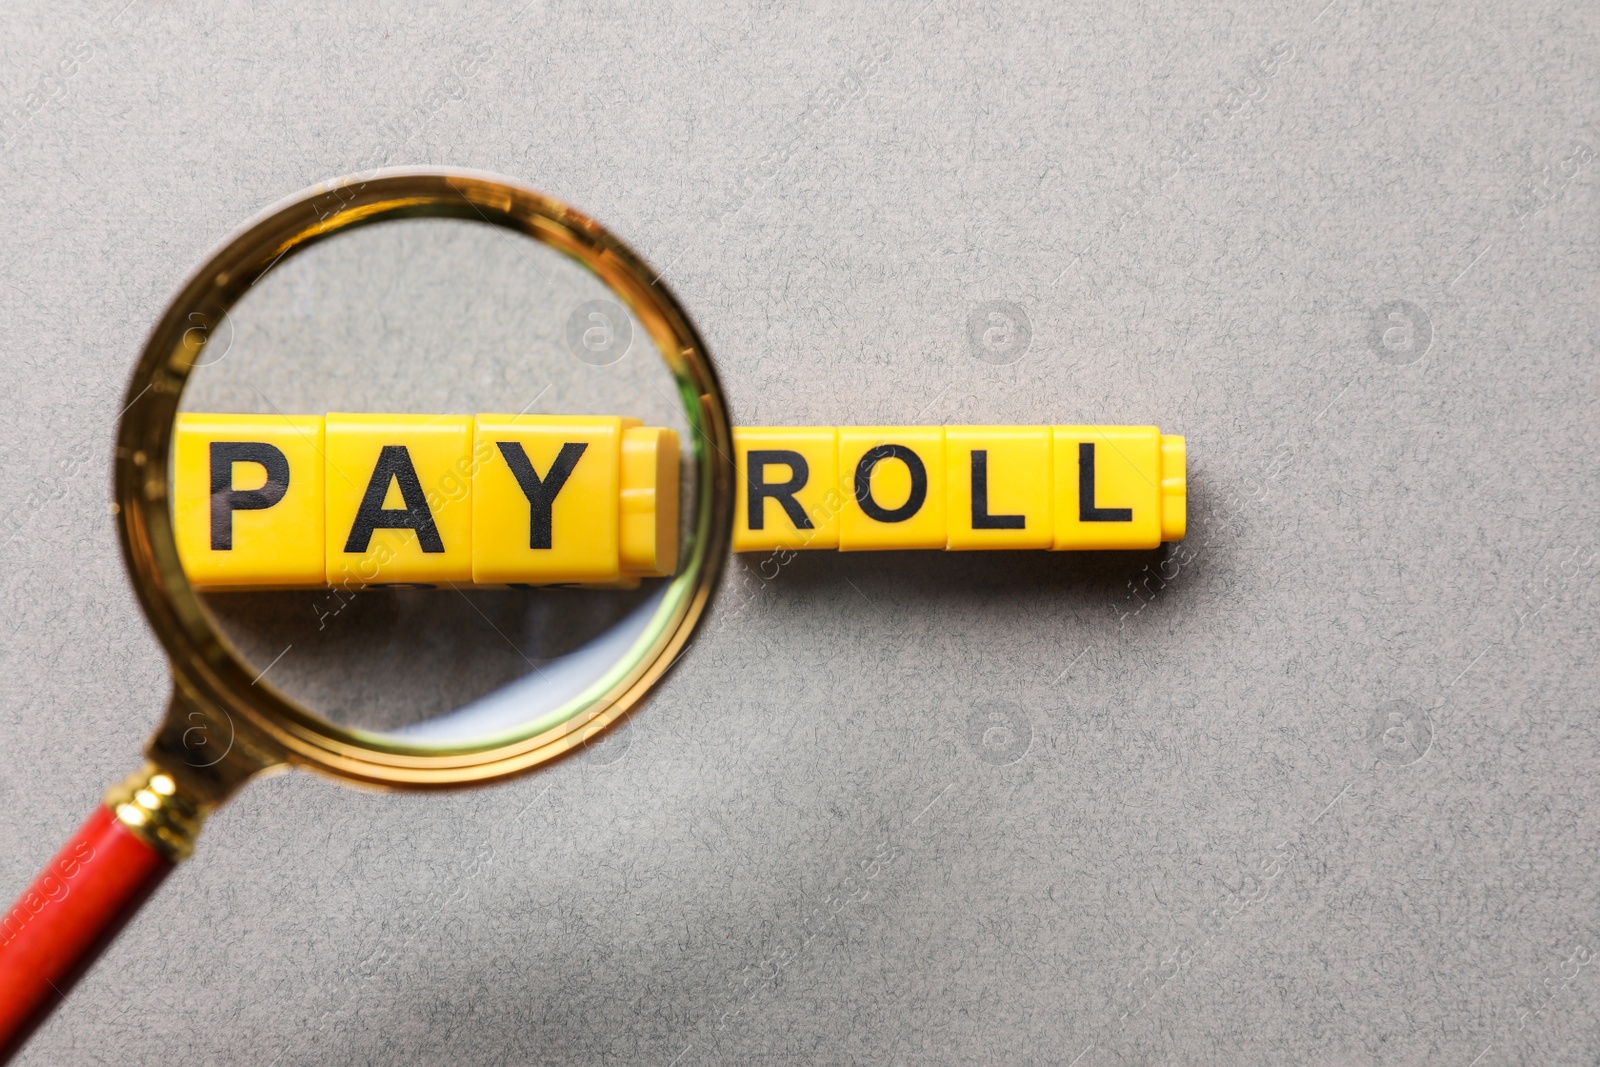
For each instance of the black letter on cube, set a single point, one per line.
(919, 483)
(394, 465)
(981, 519)
(1087, 512)
(225, 499)
(783, 492)
(541, 493)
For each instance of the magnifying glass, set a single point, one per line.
(351, 372)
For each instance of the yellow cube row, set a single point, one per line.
(864, 488)
(273, 501)
(283, 501)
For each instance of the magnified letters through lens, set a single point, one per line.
(424, 481)
(401, 495)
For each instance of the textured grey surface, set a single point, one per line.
(1317, 786)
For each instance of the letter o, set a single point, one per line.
(919, 483)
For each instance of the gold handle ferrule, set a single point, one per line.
(152, 805)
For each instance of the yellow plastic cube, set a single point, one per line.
(247, 500)
(649, 524)
(786, 488)
(998, 487)
(399, 499)
(892, 483)
(1108, 487)
(547, 499)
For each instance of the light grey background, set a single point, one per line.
(1316, 786)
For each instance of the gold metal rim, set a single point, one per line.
(203, 662)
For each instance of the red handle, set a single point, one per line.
(67, 917)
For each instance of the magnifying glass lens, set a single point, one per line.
(431, 479)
